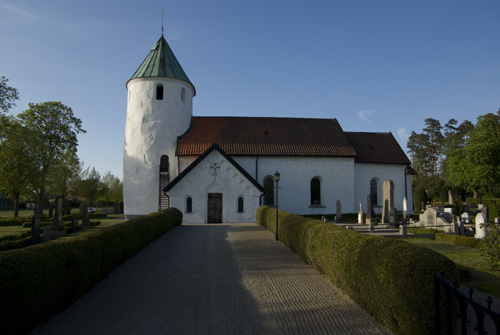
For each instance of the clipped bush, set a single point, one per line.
(493, 208)
(41, 280)
(389, 278)
(14, 221)
(419, 196)
(457, 239)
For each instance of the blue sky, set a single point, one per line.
(374, 65)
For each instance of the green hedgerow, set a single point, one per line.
(490, 246)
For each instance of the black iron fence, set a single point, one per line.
(463, 314)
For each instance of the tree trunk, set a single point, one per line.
(476, 194)
(16, 205)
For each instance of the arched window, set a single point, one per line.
(315, 191)
(183, 94)
(159, 92)
(189, 205)
(240, 205)
(374, 191)
(269, 191)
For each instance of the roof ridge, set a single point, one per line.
(263, 117)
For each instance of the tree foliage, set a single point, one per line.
(52, 133)
(457, 156)
(16, 165)
(8, 96)
(90, 186)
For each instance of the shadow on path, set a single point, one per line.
(214, 279)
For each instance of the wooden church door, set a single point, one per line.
(214, 207)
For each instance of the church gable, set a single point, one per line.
(214, 188)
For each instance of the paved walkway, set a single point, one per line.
(214, 279)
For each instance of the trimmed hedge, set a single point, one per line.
(457, 239)
(41, 280)
(14, 221)
(389, 278)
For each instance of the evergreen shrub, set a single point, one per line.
(457, 239)
(14, 221)
(41, 280)
(389, 278)
(419, 196)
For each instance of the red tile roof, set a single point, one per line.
(266, 136)
(377, 148)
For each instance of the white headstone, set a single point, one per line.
(405, 207)
(480, 226)
(361, 214)
(465, 217)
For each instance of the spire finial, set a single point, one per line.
(162, 15)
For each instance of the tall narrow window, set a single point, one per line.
(183, 94)
(269, 191)
(189, 205)
(159, 92)
(164, 163)
(373, 191)
(240, 205)
(315, 191)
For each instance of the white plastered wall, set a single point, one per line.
(336, 176)
(365, 172)
(226, 179)
(151, 130)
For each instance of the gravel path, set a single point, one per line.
(214, 279)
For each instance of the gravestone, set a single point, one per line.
(461, 230)
(372, 226)
(392, 217)
(485, 212)
(361, 214)
(74, 224)
(451, 200)
(35, 229)
(405, 207)
(339, 211)
(388, 200)
(430, 216)
(404, 231)
(85, 219)
(51, 212)
(370, 213)
(465, 217)
(58, 222)
(47, 234)
(480, 226)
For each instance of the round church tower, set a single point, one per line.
(159, 109)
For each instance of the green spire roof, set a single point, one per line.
(161, 62)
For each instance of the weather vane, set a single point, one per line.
(162, 15)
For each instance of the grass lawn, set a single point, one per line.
(482, 278)
(110, 220)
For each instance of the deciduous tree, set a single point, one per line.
(53, 130)
(8, 96)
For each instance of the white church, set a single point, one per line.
(221, 169)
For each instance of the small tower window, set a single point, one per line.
(159, 92)
(183, 94)
(189, 205)
(240, 205)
